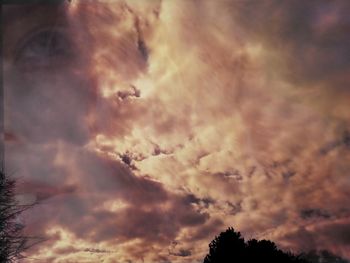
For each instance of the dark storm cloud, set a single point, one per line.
(114, 117)
(46, 97)
(207, 230)
(191, 198)
(312, 34)
(42, 191)
(338, 233)
(182, 253)
(34, 163)
(332, 235)
(310, 213)
(151, 225)
(147, 207)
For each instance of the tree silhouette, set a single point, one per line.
(12, 242)
(230, 247)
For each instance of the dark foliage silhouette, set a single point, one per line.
(230, 247)
(12, 242)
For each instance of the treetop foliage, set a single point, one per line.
(12, 242)
(230, 247)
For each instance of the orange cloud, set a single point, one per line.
(174, 120)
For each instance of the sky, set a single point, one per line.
(145, 128)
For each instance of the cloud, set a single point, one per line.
(331, 234)
(309, 213)
(175, 120)
(108, 204)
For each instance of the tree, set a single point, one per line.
(230, 247)
(227, 247)
(12, 242)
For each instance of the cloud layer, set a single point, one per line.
(151, 127)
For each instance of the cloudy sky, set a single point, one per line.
(145, 128)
